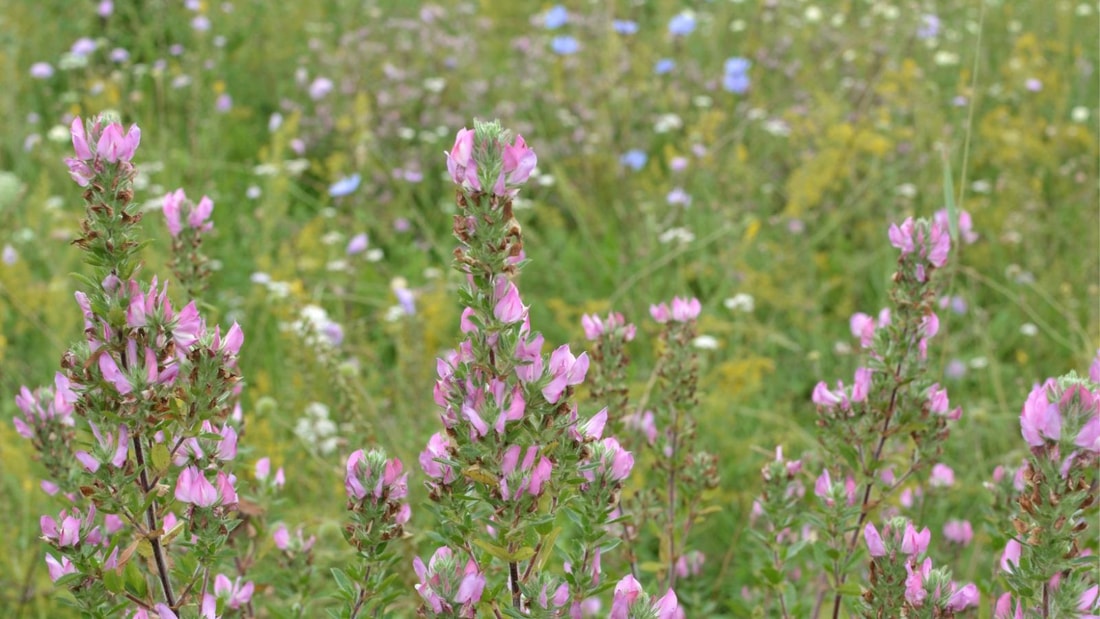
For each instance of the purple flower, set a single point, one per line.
(119, 55)
(678, 197)
(358, 244)
(874, 541)
(930, 26)
(1033, 84)
(83, 47)
(319, 88)
(193, 487)
(664, 65)
(564, 45)
(41, 70)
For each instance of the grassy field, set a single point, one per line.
(766, 193)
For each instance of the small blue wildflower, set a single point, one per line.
(344, 186)
(681, 24)
(930, 27)
(736, 78)
(565, 45)
(735, 83)
(634, 159)
(556, 17)
(664, 65)
(738, 65)
(625, 26)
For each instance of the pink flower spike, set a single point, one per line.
(111, 143)
(660, 313)
(80, 139)
(874, 541)
(352, 484)
(626, 592)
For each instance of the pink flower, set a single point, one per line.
(200, 215)
(517, 163)
(80, 140)
(958, 531)
(685, 310)
(509, 308)
(901, 237)
(1010, 559)
(281, 537)
(113, 375)
(660, 313)
(874, 541)
(566, 371)
(461, 163)
(914, 543)
(193, 487)
(963, 598)
(1089, 436)
(667, 606)
(437, 448)
(114, 146)
(59, 568)
(939, 245)
(942, 476)
(1040, 418)
(823, 487)
(862, 386)
(822, 396)
(914, 583)
(626, 592)
(235, 594)
(172, 207)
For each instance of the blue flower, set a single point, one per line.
(738, 65)
(633, 159)
(736, 83)
(664, 65)
(344, 186)
(564, 45)
(736, 78)
(625, 26)
(556, 17)
(682, 24)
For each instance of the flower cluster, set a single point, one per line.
(902, 578)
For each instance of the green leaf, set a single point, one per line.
(342, 580)
(547, 548)
(112, 580)
(161, 458)
(135, 581)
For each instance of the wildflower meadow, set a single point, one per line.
(630, 309)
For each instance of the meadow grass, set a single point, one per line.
(847, 126)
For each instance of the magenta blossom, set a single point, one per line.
(565, 370)
(193, 487)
